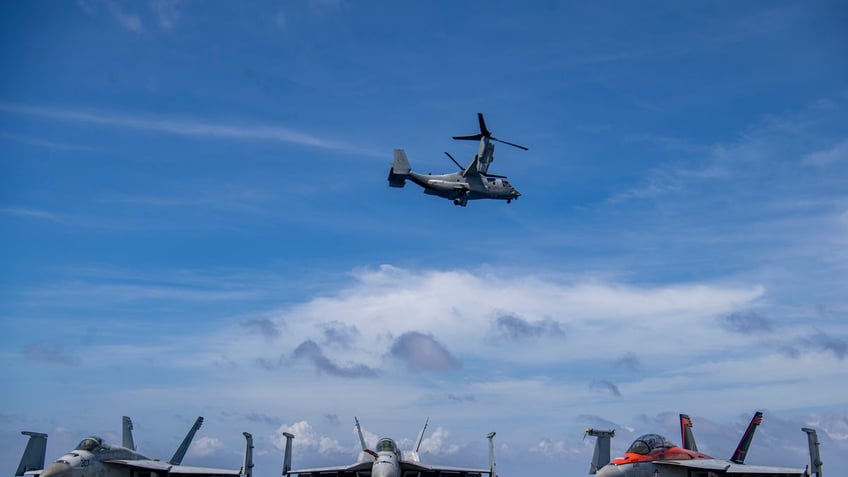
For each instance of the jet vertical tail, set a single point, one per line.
(247, 468)
(686, 435)
(815, 457)
(421, 435)
(399, 170)
(742, 449)
(287, 456)
(33, 457)
(492, 467)
(177, 459)
(601, 456)
(127, 428)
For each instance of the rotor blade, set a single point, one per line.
(454, 161)
(509, 143)
(483, 130)
(475, 137)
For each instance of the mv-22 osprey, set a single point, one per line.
(470, 183)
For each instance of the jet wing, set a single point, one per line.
(724, 467)
(440, 470)
(361, 468)
(159, 466)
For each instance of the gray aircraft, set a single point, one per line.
(470, 183)
(95, 458)
(654, 455)
(388, 461)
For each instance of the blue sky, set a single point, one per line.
(195, 220)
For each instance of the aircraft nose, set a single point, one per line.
(57, 469)
(608, 470)
(384, 470)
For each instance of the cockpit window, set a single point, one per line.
(89, 444)
(648, 443)
(386, 445)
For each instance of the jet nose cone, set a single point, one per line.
(608, 470)
(57, 469)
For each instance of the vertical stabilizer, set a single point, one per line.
(492, 469)
(815, 458)
(742, 449)
(247, 467)
(399, 169)
(421, 434)
(287, 454)
(126, 428)
(601, 456)
(177, 459)
(33, 458)
(686, 435)
(359, 432)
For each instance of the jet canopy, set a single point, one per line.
(89, 444)
(649, 443)
(387, 445)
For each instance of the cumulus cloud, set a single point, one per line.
(437, 443)
(514, 328)
(423, 353)
(604, 385)
(205, 446)
(307, 439)
(746, 322)
(310, 351)
(55, 354)
(263, 326)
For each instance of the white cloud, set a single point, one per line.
(185, 127)
(205, 446)
(825, 157)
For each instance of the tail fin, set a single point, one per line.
(181, 451)
(247, 468)
(399, 169)
(421, 435)
(686, 435)
(601, 456)
(287, 455)
(742, 449)
(492, 469)
(33, 458)
(815, 457)
(127, 428)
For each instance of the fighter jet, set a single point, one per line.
(471, 182)
(388, 461)
(93, 457)
(654, 455)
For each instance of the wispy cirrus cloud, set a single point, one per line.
(185, 127)
(55, 354)
(29, 213)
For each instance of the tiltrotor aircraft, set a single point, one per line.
(95, 458)
(470, 183)
(654, 455)
(388, 461)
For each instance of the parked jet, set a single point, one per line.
(95, 458)
(388, 461)
(654, 455)
(471, 182)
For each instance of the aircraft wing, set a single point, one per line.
(361, 468)
(441, 470)
(724, 467)
(160, 466)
